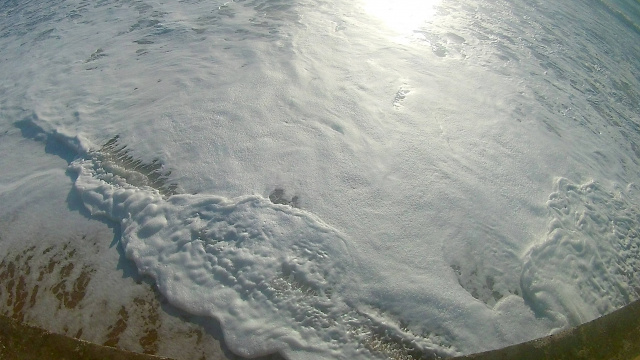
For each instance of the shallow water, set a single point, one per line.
(350, 180)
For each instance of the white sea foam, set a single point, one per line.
(269, 272)
(587, 264)
(421, 165)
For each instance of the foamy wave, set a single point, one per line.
(588, 262)
(274, 275)
(279, 279)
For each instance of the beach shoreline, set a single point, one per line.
(613, 336)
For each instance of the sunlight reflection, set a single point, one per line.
(402, 15)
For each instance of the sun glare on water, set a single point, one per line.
(403, 16)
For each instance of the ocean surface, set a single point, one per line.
(362, 179)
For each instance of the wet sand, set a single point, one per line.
(20, 341)
(615, 336)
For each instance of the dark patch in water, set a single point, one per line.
(112, 152)
(278, 196)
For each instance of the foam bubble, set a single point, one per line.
(269, 272)
(587, 264)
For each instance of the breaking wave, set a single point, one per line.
(267, 270)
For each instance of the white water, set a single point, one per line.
(465, 178)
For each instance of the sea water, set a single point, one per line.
(346, 179)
